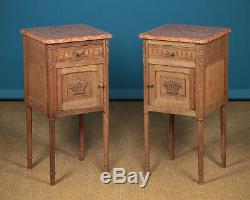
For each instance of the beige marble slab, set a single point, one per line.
(185, 33)
(65, 33)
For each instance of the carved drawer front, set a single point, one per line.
(158, 54)
(171, 87)
(93, 50)
(80, 87)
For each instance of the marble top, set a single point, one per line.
(65, 33)
(185, 33)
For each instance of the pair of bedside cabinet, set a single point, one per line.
(185, 72)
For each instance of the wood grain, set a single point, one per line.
(186, 73)
(66, 73)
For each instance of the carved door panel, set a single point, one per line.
(80, 87)
(171, 87)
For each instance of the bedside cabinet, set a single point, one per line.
(66, 73)
(186, 73)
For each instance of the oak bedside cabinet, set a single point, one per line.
(186, 73)
(66, 73)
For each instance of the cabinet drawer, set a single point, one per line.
(171, 88)
(80, 87)
(171, 52)
(76, 52)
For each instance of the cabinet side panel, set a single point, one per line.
(215, 74)
(214, 86)
(35, 74)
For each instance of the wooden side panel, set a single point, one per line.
(214, 86)
(215, 50)
(215, 74)
(35, 74)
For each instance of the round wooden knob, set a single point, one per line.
(151, 85)
(172, 54)
(100, 85)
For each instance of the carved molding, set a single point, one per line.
(79, 87)
(77, 53)
(183, 53)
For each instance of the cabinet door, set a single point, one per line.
(171, 88)
(80, 87)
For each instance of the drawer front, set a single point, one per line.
(171, 87)
(157, 51)
(76, 52)
(80, 87)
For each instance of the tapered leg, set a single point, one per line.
(106, 140)
(223, 125)
(200, 139)
(171, 136)
(29, 136)
(52, 150)
(81, 137)
(146, 142)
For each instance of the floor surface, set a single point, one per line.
(81, 179)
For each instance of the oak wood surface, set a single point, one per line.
(66, 73)
(186, 73)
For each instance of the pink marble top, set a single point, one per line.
(185, 33)
(65, 33)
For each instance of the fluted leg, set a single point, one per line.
(29, 136)
(81, 137)
(106, 139)
(171, 136)
(200, 139)
(146, 142)
(223, 135)
(52, 150)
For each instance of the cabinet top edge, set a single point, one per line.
(185, 33)
(65, 33)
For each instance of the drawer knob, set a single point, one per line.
(172, 54)
(150, 85)
(100, 85)
(79, 53)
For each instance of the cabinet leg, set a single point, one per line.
(81, 137)
(52, 150)
(223, 135)
(146, 142)
(171, 136)
(200, 139)
(29, 136)
(106, 140)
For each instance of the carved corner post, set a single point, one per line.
(171, 136)
(146, 112)
(51, 75)
(106, 107)
(81, 137)
(200, 106)
(223, 110)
